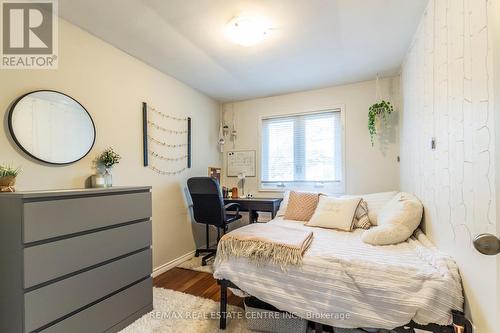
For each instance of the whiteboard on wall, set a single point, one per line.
(242, 161)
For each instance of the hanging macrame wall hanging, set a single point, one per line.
(166, 141)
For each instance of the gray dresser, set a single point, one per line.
(75, 261)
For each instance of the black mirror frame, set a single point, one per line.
(11, 130)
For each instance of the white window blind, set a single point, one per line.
(302, 151)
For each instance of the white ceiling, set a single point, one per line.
(317, 43)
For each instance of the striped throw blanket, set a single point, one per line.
(262, 242)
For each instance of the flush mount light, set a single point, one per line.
(247, 30)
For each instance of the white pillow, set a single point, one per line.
(375, 202)
(397, 221)
(335, 213)
(283, 204)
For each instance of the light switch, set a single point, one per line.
(433, 143)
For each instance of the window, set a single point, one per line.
(303, 152)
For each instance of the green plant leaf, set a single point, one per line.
(382, 110)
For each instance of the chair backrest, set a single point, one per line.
(208, 204)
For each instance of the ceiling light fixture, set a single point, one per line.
(247, 30)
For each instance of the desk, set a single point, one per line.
(254, 205)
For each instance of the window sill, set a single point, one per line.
(334, 188)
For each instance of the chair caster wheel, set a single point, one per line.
(203, 262)
(196, 254)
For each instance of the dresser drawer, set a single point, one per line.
(51, 260)
(44, 305)
(48, 219)
(107, 313)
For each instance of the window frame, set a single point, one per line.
(330, 187)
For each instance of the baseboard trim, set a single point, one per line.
(171, 264)
(176, 262)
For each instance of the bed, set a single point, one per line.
(346, 283)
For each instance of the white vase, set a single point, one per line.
(98, 180)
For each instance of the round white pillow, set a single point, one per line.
(397, 221)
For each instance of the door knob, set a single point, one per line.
(487, 244)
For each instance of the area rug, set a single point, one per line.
(194, 264)
(179, 312)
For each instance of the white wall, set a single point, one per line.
(448, 94)
(112, 85)
(368, 169)
(495, 16)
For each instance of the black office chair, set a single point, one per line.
(209, 209)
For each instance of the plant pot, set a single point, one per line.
(7, 184)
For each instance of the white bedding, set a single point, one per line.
(347, 283)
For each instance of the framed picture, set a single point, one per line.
(214, 172)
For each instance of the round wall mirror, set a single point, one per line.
(51, 127)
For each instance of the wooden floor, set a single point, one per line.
(199, 284)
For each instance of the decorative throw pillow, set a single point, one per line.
(283, 204)
(335, 213)
(375, 202)
(397, 220)
(361, 219)
(301, 205)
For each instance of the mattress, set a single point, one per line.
(346, 283)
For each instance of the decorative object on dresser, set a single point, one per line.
(166, 142)
(98, 180)
(51, 127)
(8, 176)
(75, 260)
(107, 160)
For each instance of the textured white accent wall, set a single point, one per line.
(447, 85)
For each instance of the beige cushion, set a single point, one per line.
(335, 213)
(397, 221)
(301, 205)
(361, 219)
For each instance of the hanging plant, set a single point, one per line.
(380, 110)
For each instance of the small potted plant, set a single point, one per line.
(380, 110)
(8, 178)
(108, 159)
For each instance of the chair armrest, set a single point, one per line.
(231, 205)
